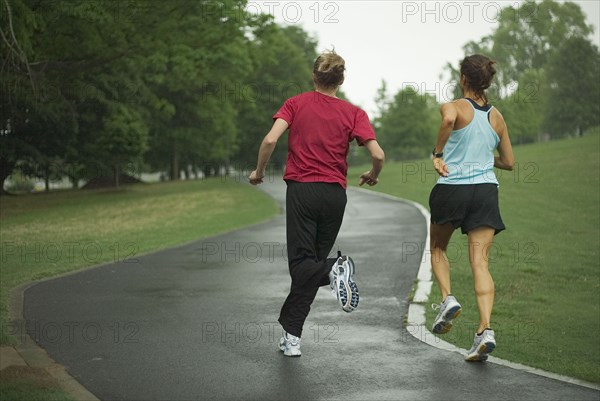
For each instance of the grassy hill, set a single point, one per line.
(545, 265)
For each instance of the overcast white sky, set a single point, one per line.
(404, 42)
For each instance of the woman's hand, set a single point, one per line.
(266, 150)
(368, 178)
(256, 178)
(440, 166)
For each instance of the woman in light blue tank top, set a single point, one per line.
(469, 152)
(466, 195)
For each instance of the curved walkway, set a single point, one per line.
(200, 322)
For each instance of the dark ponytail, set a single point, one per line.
(479, 71)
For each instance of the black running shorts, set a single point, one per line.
(466, 206)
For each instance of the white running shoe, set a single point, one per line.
(482, 345)
(449, 309)
(342, 285)
(290, 345)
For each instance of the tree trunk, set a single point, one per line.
(174, 163)
(207, 170)
(74, 182)
(116, 172)
(47, 179)
(6, 169)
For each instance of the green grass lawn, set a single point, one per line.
(545, 265)
(24, 383)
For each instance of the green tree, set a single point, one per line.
(282, 59)
(408, 127)
(70, 63)
(525, 108)
(574, 99)
(122, 139)
(18, 123)
(530, 33)
(382, 102)
(200, 57)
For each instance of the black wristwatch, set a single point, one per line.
(435, 155)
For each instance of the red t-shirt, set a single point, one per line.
(321, 129)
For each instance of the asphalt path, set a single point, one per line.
(200, 322)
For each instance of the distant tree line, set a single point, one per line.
(96, 87)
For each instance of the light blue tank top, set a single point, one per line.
(469, 152)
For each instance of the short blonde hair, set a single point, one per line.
(329, 70)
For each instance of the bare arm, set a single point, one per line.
(377, 158)
(505, 159)
(449, 114)
(266, 150)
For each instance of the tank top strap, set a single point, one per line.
(489, 112)
(474, 104)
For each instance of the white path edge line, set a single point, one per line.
(416, 309)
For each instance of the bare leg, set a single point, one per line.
(480, 241)
(440, 236)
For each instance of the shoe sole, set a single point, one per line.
(481, 354)
(445, 325)
(348, 286)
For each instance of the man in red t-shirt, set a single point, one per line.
(321, 129)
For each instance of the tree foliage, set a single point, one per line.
(525, 108)
(407, 126)
(574, 98)
(90, 87)
(547, 69)
(282, 59)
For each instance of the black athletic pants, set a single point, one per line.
(314, 213)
